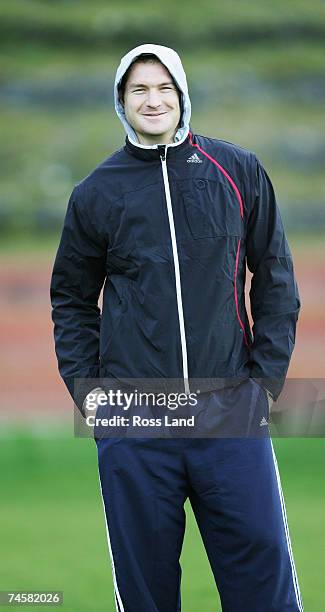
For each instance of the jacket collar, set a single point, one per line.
(151, 153)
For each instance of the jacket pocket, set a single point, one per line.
(114, 307)
(211, 209)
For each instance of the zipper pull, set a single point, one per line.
(162, 152)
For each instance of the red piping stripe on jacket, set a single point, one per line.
(236, 190)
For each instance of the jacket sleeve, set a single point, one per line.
(77, 278)
(274, 296)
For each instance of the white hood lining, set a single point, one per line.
(173, 63)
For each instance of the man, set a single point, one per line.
(167, 224)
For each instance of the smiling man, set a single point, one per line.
(167, 224)
(151, 101)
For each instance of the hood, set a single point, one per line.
(173, 63)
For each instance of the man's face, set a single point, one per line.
(151, 103)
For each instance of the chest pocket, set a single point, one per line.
(211, 208)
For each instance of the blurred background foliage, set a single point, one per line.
(256, 77)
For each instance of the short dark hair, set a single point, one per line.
(143, 58)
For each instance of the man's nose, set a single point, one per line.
(153, 98)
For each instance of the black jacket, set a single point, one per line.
(168, 232)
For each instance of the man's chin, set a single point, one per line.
(154, 134)
(152, 137)
(154, 131)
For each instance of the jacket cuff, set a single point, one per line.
(273, 385)
(79, 386)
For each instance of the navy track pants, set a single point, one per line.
(234, 488)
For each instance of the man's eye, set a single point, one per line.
(140, 90)
(167, 88)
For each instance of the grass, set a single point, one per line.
(262, 95)
(47, 153)
(53, 534)
(100, 18)
(267, 60)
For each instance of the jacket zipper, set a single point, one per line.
(163, 152)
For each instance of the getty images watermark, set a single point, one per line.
(210, 408)
(125, 400)
(141, 405)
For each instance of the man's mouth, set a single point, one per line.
(154, 114)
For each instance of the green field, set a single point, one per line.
(53, 533)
